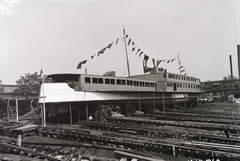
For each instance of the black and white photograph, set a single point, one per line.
(120, 80)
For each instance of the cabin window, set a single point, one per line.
(97, 80)
(87, 80)
(118, 81)
(142, 84)
(121, 81)
(169, 84)
(100, 80)
(236, 85)
(112, 81)
(107, 81)
(171, 76)
(177, 84)
(136, 83)
(94, 80)
(180, 85)
(148, 84)
(153, 84)
(129, 82)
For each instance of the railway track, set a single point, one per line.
(207, 126)
(146, 143)
(199, 115)
(165, 132)
(211, 110)
(68, 152)
(196, 119)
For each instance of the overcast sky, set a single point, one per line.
(55, 35)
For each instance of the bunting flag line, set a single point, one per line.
(138, 51)
(81, 63)
(93, 56)
(134, 47)
(109, 46)
(183, 70)
(117, 41)
(102, 51)
(129, 41)
(180, 66)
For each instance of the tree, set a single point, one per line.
(28, 84)
(1, 89)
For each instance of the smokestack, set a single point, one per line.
(238, 53)
(230, 58)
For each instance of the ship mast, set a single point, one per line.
(124, 37)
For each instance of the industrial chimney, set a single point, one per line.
(238, 53)
(230, 58)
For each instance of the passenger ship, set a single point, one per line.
(84, 93)
(86, 87)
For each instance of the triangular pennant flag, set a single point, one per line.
(145, 68)
(80, 64)
(129, 41)
(41, 72)
(153, 60)
(140, 54)
(183, 70)
(110, 45)
(180, 67)
(173, 59)
(102, 51)
(93, 56)
(158, 62)
(126, 36)
(133, 43)
(163, 61)
(168, 60)
(185, 74)
(117, 41)
(146, 57)
(134, 48)
(138, 51)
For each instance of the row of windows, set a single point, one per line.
(181, 77)
(119, 82)
(222, 82)
(219, 87)
(183, 85)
